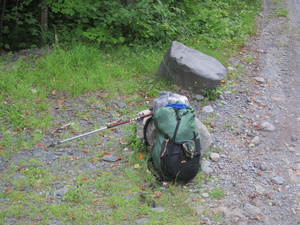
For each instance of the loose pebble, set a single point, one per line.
(110, 158)
(208, 109)
(266, 126)
(256, 141)
(214, 157)
(278, 180)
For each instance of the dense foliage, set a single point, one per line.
(30, 23)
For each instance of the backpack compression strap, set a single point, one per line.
(177, 125)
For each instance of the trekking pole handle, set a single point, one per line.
(128, 121)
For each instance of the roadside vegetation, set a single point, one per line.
(121, 62)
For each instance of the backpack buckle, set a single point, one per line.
(189, 149)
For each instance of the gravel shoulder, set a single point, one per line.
(260, 161)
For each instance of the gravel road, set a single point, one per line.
(260, 163)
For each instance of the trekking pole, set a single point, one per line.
(103, 128)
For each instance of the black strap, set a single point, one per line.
(145, 130)
(177, 125)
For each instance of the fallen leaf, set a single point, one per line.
(140, 216)
(53, 92)
(143, 187)
(136, 166)
(216, 211)
(73, 216)
(114, 165)
(60, 101)
(254, 195)
(38, 101)
(71, 159)
(41, 144)
(85, 150)
(106, 153)
(122, 140)
(84, 178)
(91, 160)
(157, 194)
(8, 191)
(298, 173)
(258, 127)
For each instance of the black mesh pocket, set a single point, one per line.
(175, 163)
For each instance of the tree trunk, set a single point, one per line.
(2, 17)
(43, 15)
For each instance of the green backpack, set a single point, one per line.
(176, 153)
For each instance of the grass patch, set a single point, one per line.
(216, 193)
(279, 10)
(110, 197)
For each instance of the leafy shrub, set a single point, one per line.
(113, 22)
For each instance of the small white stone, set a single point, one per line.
(256, 141)
(266, 126)
(208, 109)
(205, 195)
(259, 79)
(214, 157)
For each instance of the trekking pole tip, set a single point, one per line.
(53, 144)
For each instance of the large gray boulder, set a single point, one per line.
(190, 68)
